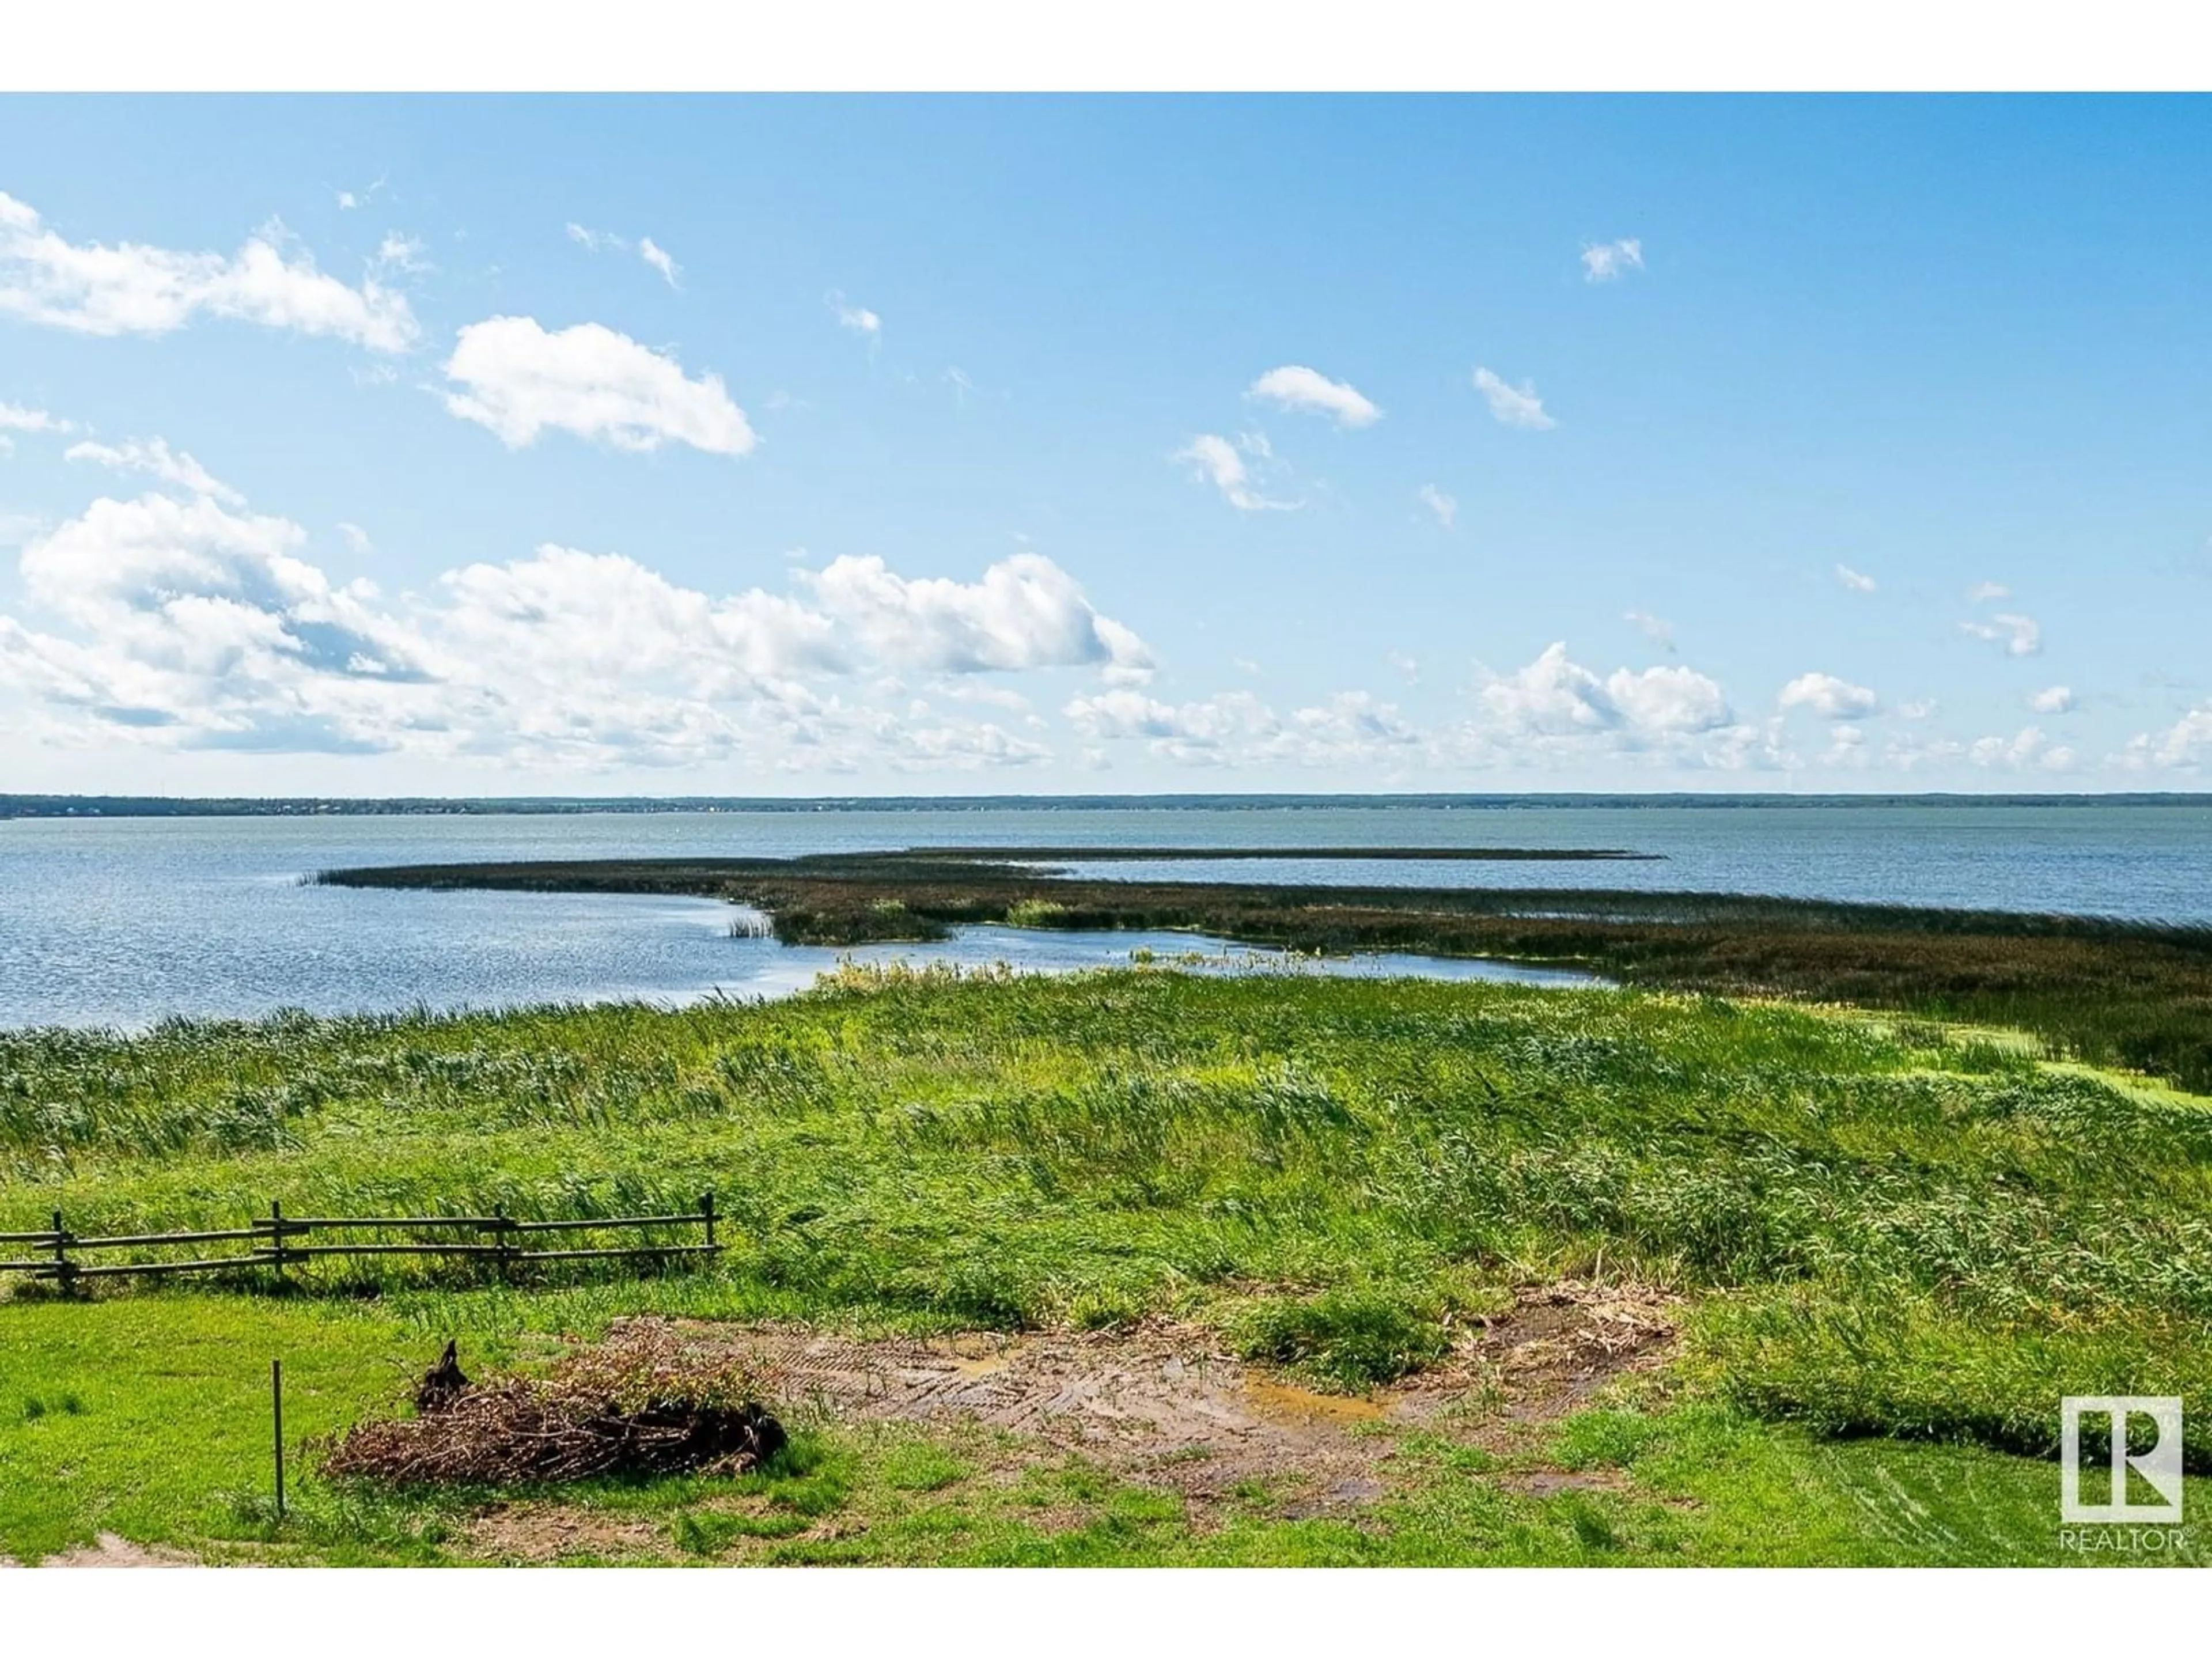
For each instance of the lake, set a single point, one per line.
(126, 920)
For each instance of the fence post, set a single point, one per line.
(707, 1214)
(276, 1426)
(277, 1237)
(65, 1269)
(501, 1237)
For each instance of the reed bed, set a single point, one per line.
(1887, 1225)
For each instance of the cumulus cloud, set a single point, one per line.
(130, 288)
(1026, 612)
(1606, 262)
(1236, 728)
(13, 417)
(1446, 507)
(1214, 459)
(2021, 636)
(1858, 581)
(517, 380)
(2184, 746)
(857, 319)
(188, 625)
(1556, 697)
(2053, 700)
(1295, 386)
(1513, 405)
(1829, 697)
(2028, 749)
(1551, 712)
(155, 457)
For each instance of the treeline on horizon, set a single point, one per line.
(155, 806)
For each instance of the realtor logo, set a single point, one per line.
(2160, 1468)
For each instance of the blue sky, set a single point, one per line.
(810, 445)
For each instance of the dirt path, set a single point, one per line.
(109, 1550)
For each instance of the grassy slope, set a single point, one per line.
(1888, 1233)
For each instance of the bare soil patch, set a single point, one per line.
(1164, 1404)
(110, 1550)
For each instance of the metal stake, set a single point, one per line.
(276, 1417)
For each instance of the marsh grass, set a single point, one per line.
(2105, 991)
(931, 1148)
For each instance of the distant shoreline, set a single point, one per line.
(15, 806)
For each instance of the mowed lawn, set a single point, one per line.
(1897, 1247)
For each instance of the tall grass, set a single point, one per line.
(1969, 1228)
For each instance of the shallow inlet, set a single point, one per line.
(770, 970)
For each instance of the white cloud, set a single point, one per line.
(591, 382)
(1847, 746)
(350, 199)
(1446, 507)
(2053, 700)
(1829, 697)
(1556, 712)
(2021, 636)
(186, 625)
(355, 538)
(1920, 708)
(13, 417)
(1295, 386)
(607, 242)
(1236, 728)
(2030, 748)
(398, 252)
(1604, 262)
(1667, 700)
(1213, 459)
(1658, 630)
(656, 256)
(155, 457)
(2185, 744)
(1513, 405)
(1026, 612)
(133, 288)
(859, 318)
(1556, 697)
(1980, 592)
(1858, 581)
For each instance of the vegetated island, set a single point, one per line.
(2107, 991)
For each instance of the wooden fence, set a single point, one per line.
(497, 1238)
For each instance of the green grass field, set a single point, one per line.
(1898, 1246)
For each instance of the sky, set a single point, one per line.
(811, 445)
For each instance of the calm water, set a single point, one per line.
(126, 921)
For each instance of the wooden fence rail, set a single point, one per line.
(496, 1240)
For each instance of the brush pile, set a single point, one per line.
(627, 1408)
